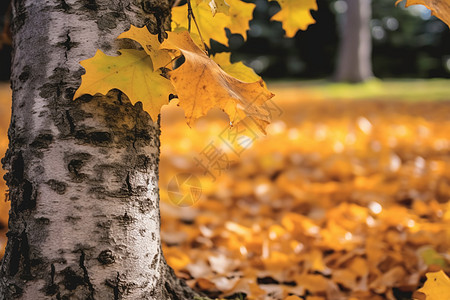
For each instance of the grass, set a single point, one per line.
(389, 89)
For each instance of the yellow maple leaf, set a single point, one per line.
(439, 8)
(240, 15)
(211, 27)
(295, 15)
(217, 6)
(151, 45)
(437, 286)
(237, 70)
(132, 73)
(202, 85)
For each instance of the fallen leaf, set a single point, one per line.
(437, 286)
(292, 298)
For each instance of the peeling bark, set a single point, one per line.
(82, 175)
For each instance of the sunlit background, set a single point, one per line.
(345, 196)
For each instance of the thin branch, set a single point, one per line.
(191, 15)
(177, 2)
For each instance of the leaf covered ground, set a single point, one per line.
(345, 198)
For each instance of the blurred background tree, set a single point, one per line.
(406, 42)
(354, 60)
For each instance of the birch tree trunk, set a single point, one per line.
(82, 175)
(354, 61)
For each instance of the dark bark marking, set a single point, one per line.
(160, 11)
(146, 205)
(70, 120)
(25, 74)
(58, 186)
(42, 141)
(63, 5)
(108, 21)
(75, 164)
(72, 219)
(125, 219)
(127, 180)
(171, 292)
(142, 135)
(14, 260)
(98, 138)
(17, 168)
(20, 257)
(13, 290)
(106, 257)
(21, 190)
(52, 288)
(142, 162)
(67, 44)
(154, 262)
(91, 5)
(120, 94)
(87, 280)
(85, 97)
(71, 279)
(43, 221)
(20, 16)
(114, 284)
(74, 167)
(99, 192)
(116, 287)
(28, 200)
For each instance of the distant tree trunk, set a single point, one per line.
(82, 175)
(354, 62)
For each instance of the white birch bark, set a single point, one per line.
(83, 175)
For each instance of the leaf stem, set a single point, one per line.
(191, 15)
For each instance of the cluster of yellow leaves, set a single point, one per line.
(439, 8)
(342, 200)
(200, 83)
(214, 16)
(234, 15)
